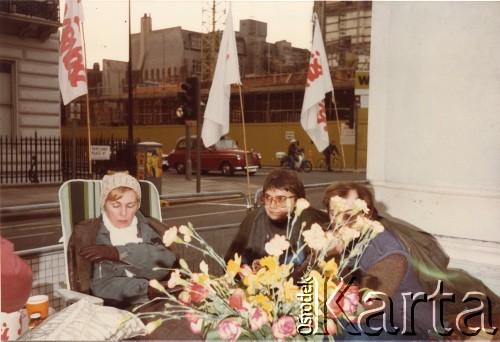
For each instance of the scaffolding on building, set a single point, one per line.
(211, 17)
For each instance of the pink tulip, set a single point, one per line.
(229, 330)
(237, 300)
(284, 327)
(198, 293)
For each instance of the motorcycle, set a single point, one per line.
(304, 164)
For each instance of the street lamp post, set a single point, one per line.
(130, 96)
(74, 114)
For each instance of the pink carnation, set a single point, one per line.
(169, 236)
(315, 237)
(348, 302)
(258, 318)
(277, 245)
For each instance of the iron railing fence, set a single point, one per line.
(122, 157)
(37, 159)
(29, 159)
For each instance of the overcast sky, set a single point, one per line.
(106, 21)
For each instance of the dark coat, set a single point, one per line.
(257, 229)
(430, 262)
(85, 234)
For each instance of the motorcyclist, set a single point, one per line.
(293, 152)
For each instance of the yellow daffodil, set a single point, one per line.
(234, 265)
(290, 290)
(252, 283)
(264, 302)
(270, 262)
(329, 268)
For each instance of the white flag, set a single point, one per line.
(319, 82)
(227, 72)
(72, 75)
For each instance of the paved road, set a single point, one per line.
(42, 228)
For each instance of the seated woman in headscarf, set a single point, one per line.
(113, 256)
(404, 260)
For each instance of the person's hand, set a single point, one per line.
(97, 253)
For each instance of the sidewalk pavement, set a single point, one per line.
(29, 194)
(12, 195)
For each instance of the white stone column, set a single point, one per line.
(434, 124)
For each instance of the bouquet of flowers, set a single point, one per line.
(262, 301)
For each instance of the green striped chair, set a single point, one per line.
(80, 199)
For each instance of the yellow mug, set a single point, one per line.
(40, 304)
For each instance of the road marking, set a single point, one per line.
(223, 204)
(31, 225)
(201, 215)
(31, 235)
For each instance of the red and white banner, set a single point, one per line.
(72, 73)
(227, 72)
(319, 82)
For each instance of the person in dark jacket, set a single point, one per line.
(293, 154)
(113, 257)
(281, 190)
(330, 150)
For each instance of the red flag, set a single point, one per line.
(227, 72)
(72, 75)
(319, 82)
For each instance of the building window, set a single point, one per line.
(195, 41)
(7, 120)
(196, 67)
(146, 74)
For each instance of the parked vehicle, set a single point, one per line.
(164, 162)
(304, 164)
(223, 156)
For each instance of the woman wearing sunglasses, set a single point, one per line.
(280, 192)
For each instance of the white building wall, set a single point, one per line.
(36, 91)
(434, 124)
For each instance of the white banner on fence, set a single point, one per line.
(101, 152)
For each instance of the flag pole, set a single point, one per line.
(87, 102)
(244, 141)
(338, 126)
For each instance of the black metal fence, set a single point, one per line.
(54, 160)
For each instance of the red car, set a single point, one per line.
(223, 156)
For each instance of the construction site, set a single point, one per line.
(273, 75)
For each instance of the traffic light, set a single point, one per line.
(189, 100)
